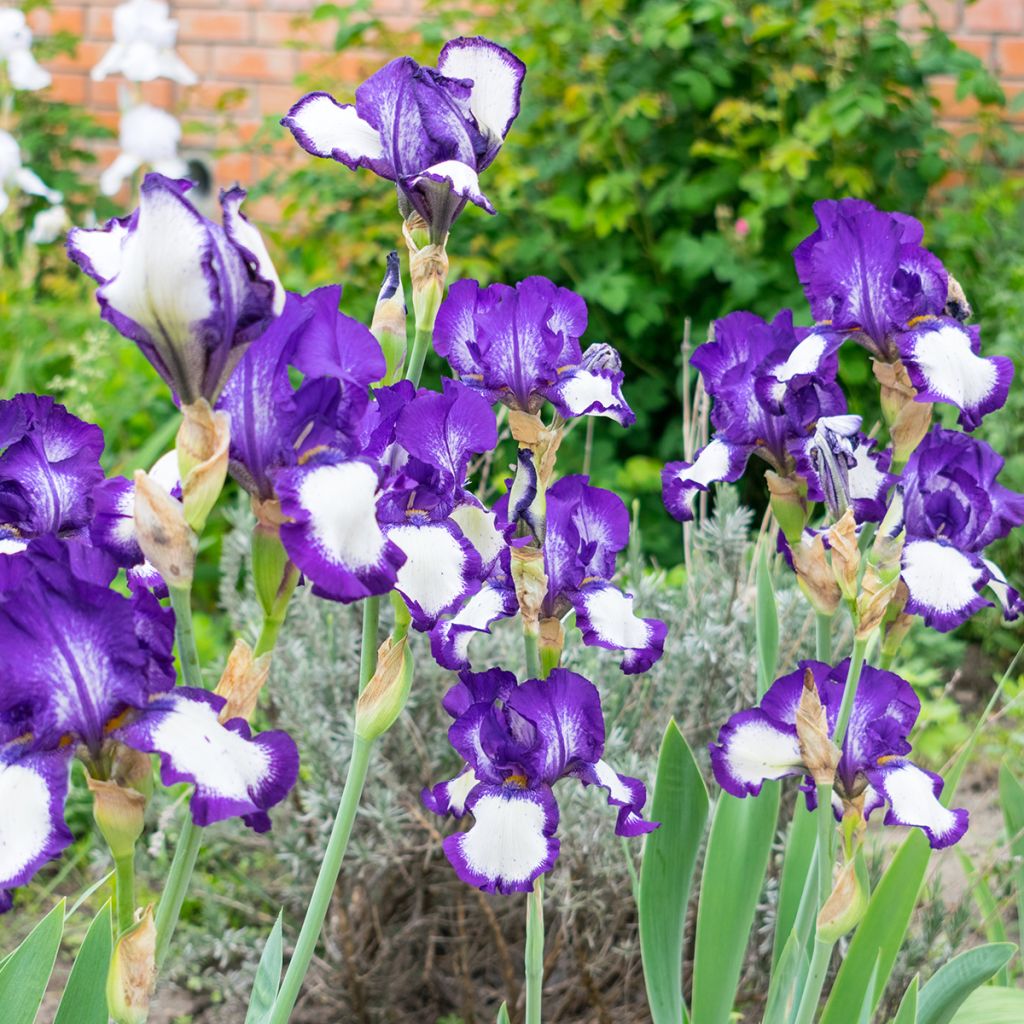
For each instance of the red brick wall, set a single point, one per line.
(242, 44)
(252, 46)
(992, 30)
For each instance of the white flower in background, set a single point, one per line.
(14, 175)
(144, 38)
(49, 225)
(16, 52)
(149, 136)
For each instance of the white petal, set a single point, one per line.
(496, 75)
(910, 792)
(437, 567)
(325, 127)
(30, 182)
(161, 285)
(942, 582)
(804, 359)
(752, 748)
(25, 73)
(612, 619)
(478, 527)
(29, 832)
(585, 389)
(947, 362)
(243, 233)
(123, 167)
(342, 504)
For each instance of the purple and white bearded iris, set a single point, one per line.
(84, 669)
(768, 404)
(867, 277)
(191, 293)
(761, 743)
(954, 507)
(521, 346)
(395, 512)
(431, 131)
(586, 528)
(50, 463)
(518, 740)
(274, 423)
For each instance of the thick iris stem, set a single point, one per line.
(823, 637)
(267, 639)
(534, 951)
(124, 889)
(532, 652)
(368, 644)
(826, 848)
(320, 901)
(422, 343)
(191, 836)
(860, 650)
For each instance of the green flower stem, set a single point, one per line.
(191, 837)
(534, 951)
(368, 646)
(267, 639)
(823, 637)
(124, 891)
(860, 650)
(320, 901)
(825, 849)
(422, 343)
(530, 646)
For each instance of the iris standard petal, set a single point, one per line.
(717, 462)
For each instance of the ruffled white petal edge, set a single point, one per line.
(592, 393)
(606, 618)
(441, 570)
(1008, 597)
(450, 797)
(449, 640)
(497, 77)
(943, 583)
(242, 232)
(944, 367)
(326, 128)
(512, 839)
(718, 462)
(624, 792)
(912, 794)
(751, 749)
(479, 526)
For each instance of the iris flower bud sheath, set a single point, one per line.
(842, 542)
(202, 447)
(242, 681)
(908, 420)
(132, 973)
(814, 574)
(381, 703)
(120, 814)
(166, 539)
(789, 504)
(848, 901)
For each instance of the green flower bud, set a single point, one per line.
(381, 703)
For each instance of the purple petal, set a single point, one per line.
(450, 797)
(512, 839)
(478, 688)
(49, 466)
(1009, 597)
(912, 795)
(332, 344)
(447, 430)
(449, 640)
(624, 792)
(324, 127)
(565, 710)
(941, 357)
(717, 462)
(74, 654)
(33, 788)
(234, 774)
(460, 178)
(334, 537)
(606, 618)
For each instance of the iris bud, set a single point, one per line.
(389, 319)
(166, 539)
(789, 505)
(908, 420)
(848, 901)
(202, 447)
(382, 701)
(120, 814)
(531, 584)
(132, 973)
